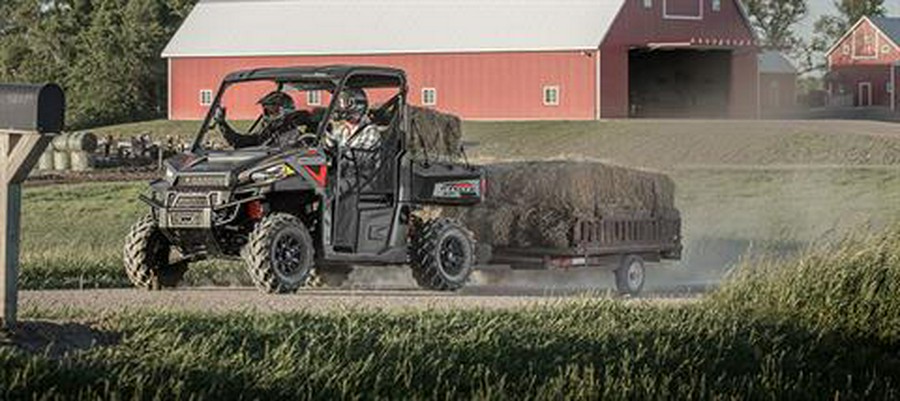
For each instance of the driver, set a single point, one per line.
(278, 124)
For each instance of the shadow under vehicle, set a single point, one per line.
(305, 209)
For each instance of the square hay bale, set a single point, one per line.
(536, 204)
(440, 132)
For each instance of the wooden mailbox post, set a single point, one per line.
(30, 116)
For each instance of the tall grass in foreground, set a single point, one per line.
(822, 327)
(853, 287)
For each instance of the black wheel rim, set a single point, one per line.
(453, 256)
(635, 275)
(287, 255)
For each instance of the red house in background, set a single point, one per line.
(489, 59)
(863, 65)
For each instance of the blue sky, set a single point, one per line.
(820, 7)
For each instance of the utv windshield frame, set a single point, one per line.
(331, 78)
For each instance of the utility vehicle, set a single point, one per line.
(307, 209)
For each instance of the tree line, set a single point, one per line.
(776, 24)
(106, 53)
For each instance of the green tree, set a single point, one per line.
(105, 53)
(775, 21)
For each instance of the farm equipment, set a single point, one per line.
(307, 192)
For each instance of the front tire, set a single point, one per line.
(442, 255)
(630, 276)
(147, 255)
(280, 254)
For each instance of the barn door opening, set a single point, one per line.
(679, 83)
(864, 94)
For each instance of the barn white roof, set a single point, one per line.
(340, 27)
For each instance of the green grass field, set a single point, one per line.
(826, 326)
(72, 234)
(809, 314)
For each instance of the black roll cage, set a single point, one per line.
(332, 78)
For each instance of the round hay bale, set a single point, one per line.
(81, 161)
(45, 163)
(61, 161)
(81, 142)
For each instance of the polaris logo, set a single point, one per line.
(458, 189)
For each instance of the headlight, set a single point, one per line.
(273, 173)
(170, 174)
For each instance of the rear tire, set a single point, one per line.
(442, 255)
(630, 276)
(279, 254)
(146, 257)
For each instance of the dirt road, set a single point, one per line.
(243, 299)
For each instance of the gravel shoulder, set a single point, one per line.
(216, 300)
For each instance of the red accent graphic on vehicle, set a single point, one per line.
(320, 177)
(458, 189)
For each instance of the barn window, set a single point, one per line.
(206, 97)
(314, 98)
(551, 96)
(429, 97)
(648, 3)
(886, 49)
(889, 87)
(846, 49)
(717, 5)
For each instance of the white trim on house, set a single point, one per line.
(206, 97)
(170, 93)
(849, 32)
(554, 99)
(859, 94)
(698, 17)
(597, 88)
(855, 56)
(434, 97)
(314, 98)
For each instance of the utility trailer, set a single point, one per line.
(622, 244)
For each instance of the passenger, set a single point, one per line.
(351, 123)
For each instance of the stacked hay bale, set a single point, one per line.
(536, 204)
(439, 133)
(69, 152)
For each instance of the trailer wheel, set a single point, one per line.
(630, 276)
(442, 255)
(279, 255)
(146, 257)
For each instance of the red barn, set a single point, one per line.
(489, 59)
(862, 65)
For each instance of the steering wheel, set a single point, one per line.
(308, 139)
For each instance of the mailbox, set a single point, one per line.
(30, 116)
(32, 108)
